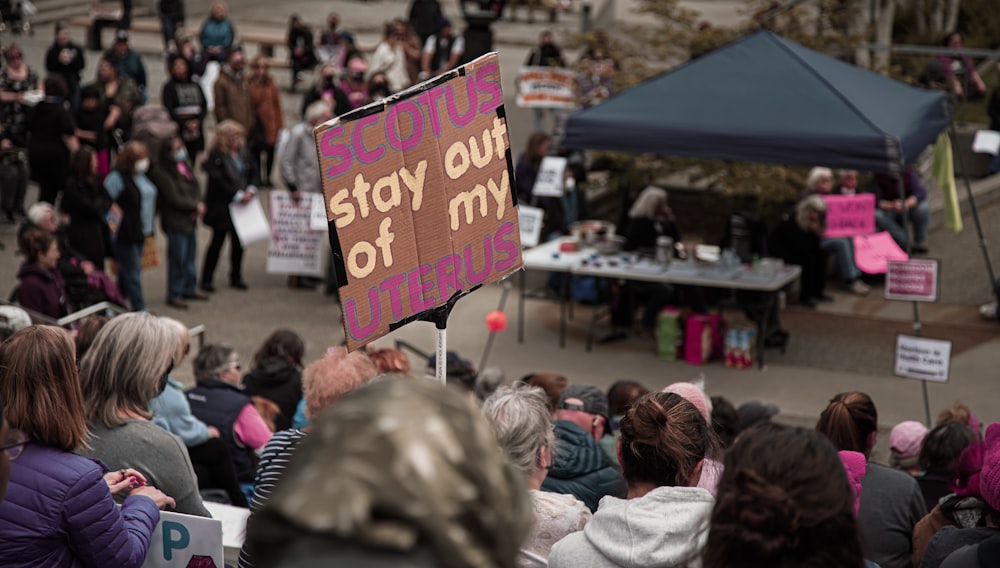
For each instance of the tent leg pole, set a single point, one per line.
(975, 210)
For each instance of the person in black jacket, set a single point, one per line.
(66, 59)
(51, 140)
(232, 178)
(171, 18)
(86, 203)
(135, 200)
(277, 374)
(425, 17)
(326, 89)
(300, 48)
(186, 103)
(796, 240)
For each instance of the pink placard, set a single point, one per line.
(872, 252)
(912, 280)
(849, 215)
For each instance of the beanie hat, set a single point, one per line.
(856, 466)
(989, 480)
(905, 442)
(691, 393)
(968, 470)
(755, 411)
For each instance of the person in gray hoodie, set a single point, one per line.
(664, 520)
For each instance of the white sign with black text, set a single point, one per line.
(530, 220)
(551, 177)
(922, 358)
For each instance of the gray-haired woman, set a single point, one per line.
(125, 368)
(522, 421)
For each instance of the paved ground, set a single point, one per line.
(846, 345)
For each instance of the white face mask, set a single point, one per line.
(142, 166)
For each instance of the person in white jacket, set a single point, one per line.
(664, 520)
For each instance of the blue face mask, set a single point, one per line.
(181, 155)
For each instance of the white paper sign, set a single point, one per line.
(234, 523)
(185, 541)
(922, 358)
(986, 142)
(294, 248)
(530, 221)
(551, 175)
(249, 222)
(318, 221)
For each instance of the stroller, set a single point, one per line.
(17, 16)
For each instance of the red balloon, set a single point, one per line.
(496, 321)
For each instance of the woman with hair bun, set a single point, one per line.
(783, 501)
(664, 519)
(891, 501)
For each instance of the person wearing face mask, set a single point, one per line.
(354, 85)
(327, 89)
(134, 195)
(378, 88)
(180, 207)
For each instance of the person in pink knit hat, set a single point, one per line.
(977, 547)
(711, 469)
(905, 441)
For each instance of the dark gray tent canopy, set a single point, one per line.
(765, 99)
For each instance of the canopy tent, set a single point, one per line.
(765, 99)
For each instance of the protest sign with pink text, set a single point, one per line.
(849, 215)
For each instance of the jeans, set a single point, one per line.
(919, 217)
(843, 249)
(129, 257)
(169, 25)
(182, 274)
(215, 248)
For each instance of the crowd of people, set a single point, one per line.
(354, 458)
(107, 163)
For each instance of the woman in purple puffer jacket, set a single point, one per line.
(59, 511)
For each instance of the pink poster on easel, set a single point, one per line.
(873, 252)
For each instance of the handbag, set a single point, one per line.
(150, 253)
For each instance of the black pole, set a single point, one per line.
(975, 211)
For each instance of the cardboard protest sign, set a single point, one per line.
(546, 87)
(185, 541)
(420, 199)
(294, 248)
(872, 252)
(849, 215)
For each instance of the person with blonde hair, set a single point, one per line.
(664, 519)
(401, 472)
(134, 195)
(209, 454)
(522, 422)
(59, 509)
(232, 178)
(125, 368)
(325, 381)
